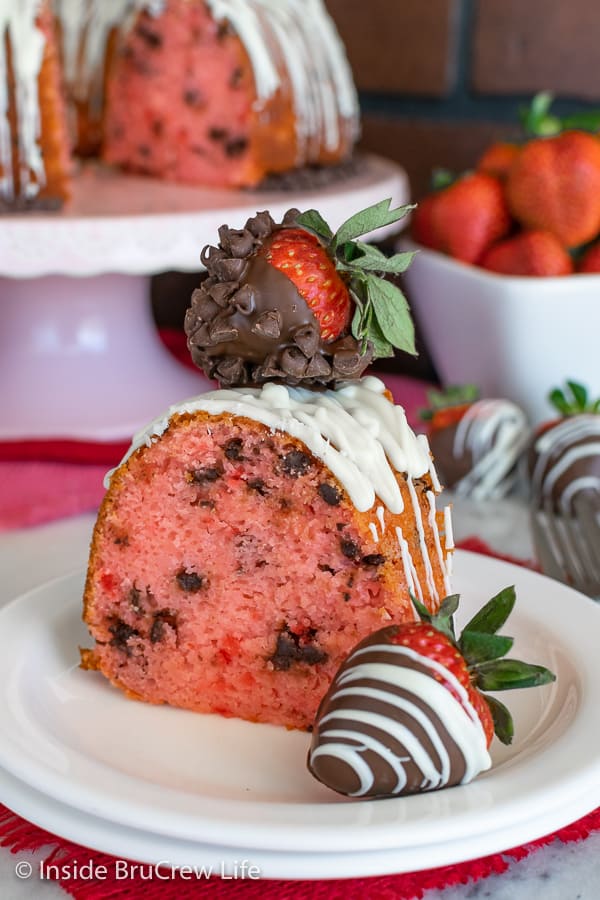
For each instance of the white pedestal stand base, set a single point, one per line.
(80, 357)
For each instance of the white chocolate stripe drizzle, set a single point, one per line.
(383, 701)
(495, 433)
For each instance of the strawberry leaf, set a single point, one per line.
(580, 395)
(508, 674)
(371, 259)
(573, 400)
(477, 647)
(313, 221)
(368, 220)
(494, 614)
(392, 313)
(503, 723)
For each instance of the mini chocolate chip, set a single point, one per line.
(221, 331)
(373, 559)
(261, 564)
(318, 367)
(261, 225)
(205, 476)
(236, 77)
(217, 134)
(268, 324)
(349, 548)
(258, 485)
(152, 38)
(221, 292)
(291, 648)
(307, 338)
(122, 540)
(230, 269)
(325, 568)
(121, 634)
(163, 618)
(295, 463)
(346, 596)
(243, 300)
(340, 526)
(236, 146)
(134, 597)
(233, 449)
(192, 97)
(229, 370)
(190, 582)
(330, 494)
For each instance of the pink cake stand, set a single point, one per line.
(79, 353)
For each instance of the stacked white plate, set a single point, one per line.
(157, 784)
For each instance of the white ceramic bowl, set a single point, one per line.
(514, 337)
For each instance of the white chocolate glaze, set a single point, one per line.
(27, 42)
(495, 432)
(395, 697)
(86, 26)
(355, 430)
(297, 39)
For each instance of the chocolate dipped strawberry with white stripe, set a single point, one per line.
(476, 443)
(405, 713)
(564, 467)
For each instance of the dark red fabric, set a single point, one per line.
(19, 835)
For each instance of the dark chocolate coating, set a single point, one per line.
(248, 324)
(392, 768)
(450, 467)
(561, 456)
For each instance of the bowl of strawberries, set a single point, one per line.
(506, 283)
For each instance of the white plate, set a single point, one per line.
(230, 784)
(147, 847)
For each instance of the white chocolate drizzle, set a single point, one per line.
(396, 697)
(355, 430)
(495, 433)
(18, 22)
(297, 39)
(86, 26)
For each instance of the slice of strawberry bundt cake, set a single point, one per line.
(251, 537)
(223, 92)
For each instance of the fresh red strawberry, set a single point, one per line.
(447, 407)
(422, 227)
(469, 216)
(304, 260)
(497, 159)
(528, 253)
(590, 261)
(554, 185)
(475, 657)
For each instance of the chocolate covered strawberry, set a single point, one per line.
(476, 444)
(409, 711)
(564, 470)
(296, 302)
